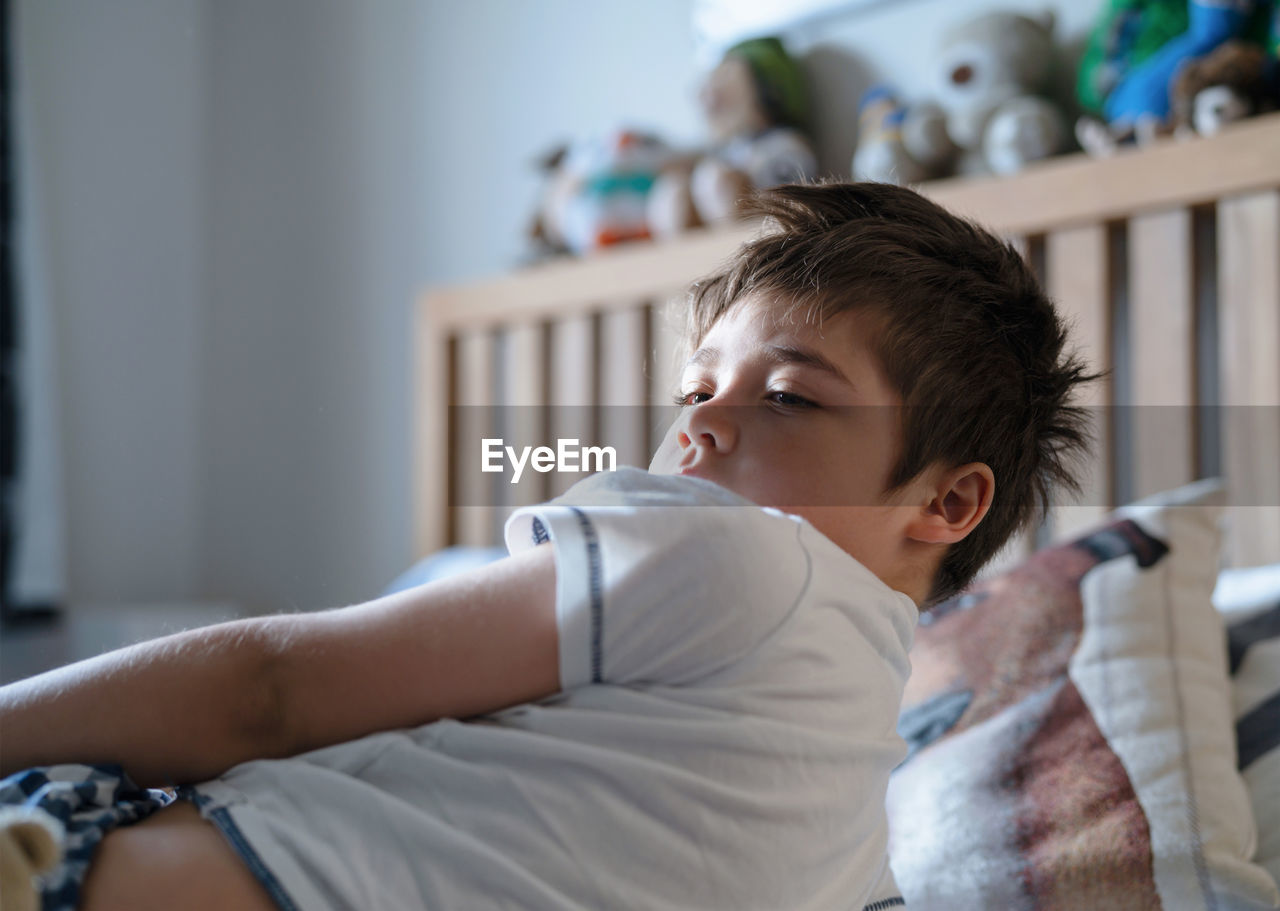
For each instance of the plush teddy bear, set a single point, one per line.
(991, 111)
(1231, 82)
(755, 105)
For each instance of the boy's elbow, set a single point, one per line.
(262, 719)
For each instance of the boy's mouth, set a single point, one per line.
(696, 470)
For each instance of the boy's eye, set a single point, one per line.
(779, 398)
(684, 399)
(789, 400)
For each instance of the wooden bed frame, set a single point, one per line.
(1166, 259)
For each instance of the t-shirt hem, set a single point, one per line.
(246, 832)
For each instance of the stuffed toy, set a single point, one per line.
(546, 238)
(30, 844)
(1126, 33)
(992, 78)
(596, 192)
(1135, 54)
(882, 154)
(755, 106)
(991, 112)
(1232, 82)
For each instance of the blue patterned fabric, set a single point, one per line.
(89, 801)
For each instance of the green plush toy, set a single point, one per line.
(1137, 50)
(1128, 32)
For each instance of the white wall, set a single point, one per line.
(318, 204)
(359, 153)
(246, 197)
(115, 116)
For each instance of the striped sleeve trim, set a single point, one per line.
(896, 902)
(595, 588)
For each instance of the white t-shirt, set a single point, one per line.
(723, 739)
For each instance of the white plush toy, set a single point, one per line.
(31, 843)
(990, 111)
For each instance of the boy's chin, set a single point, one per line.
(703, 475)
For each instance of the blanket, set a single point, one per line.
(53, 818)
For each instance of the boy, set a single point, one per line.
(669, 706)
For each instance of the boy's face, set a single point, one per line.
(793, 416)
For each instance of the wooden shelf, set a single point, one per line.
(1050, 195)
(1077, 189)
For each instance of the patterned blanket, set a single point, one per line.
(88, 802)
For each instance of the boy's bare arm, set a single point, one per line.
(184, 705)
(188, 707)
(472, 644)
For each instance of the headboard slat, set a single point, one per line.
(474, 524)
(433, 377)
(624, 342)
(666, 360)
(1162, 350)
(523, 417)
(1078, 277)
(1249, 320)
(574, 366)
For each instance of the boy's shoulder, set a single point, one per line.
(636, 510)
(678, 511)
(636, 487)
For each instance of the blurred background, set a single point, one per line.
(224, 210)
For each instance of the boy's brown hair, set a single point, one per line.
(965, 334)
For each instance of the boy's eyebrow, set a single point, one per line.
(704, 357)
(793, 354)
(777, 354)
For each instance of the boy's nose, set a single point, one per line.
(712, 426)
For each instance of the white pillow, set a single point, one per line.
(1071, 732)
(1152, 668)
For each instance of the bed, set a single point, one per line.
(1152, 678)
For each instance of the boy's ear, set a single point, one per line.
(958, 500)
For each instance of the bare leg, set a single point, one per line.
(173, 859)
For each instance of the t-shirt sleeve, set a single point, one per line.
(661, 586)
